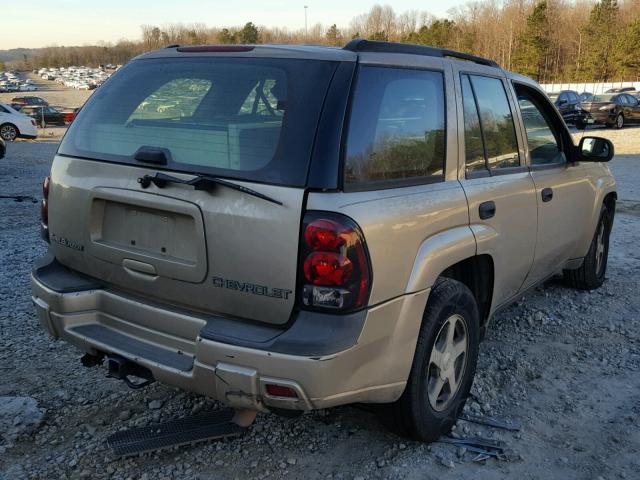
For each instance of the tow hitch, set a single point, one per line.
(121, 368)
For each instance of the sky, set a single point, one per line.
(41, 23)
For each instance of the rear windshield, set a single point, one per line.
(244, 118)
(603, 98)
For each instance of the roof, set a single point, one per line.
(316, 52)
(312, 52)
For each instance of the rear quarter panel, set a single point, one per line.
(406, 230)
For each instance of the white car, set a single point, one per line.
(27, 87)
(14, 124)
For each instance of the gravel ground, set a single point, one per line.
(562, 363)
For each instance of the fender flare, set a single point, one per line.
(604, 186)
(439, 252)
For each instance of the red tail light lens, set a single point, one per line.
(335, 263)
(327, 268)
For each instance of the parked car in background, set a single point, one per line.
(568, 103)
(3, 148)
(44, 115)
(70, 114)
(612, 109)
(19, 102)
(621, 90)
(27, 87)
(14, 124)
(585, 96)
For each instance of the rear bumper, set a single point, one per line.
(327, 359)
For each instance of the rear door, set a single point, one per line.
(633, 109)
(206, 246)
(499, 189)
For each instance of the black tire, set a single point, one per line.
(9, 132)
(592, 272)
(580, 124)
(413, 414)
(619, 121)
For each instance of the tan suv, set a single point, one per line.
(298, 227)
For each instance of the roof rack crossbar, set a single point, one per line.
(363, 45)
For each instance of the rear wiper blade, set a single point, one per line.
(201, 182)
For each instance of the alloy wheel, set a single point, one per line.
(447, 363)
(8, 132)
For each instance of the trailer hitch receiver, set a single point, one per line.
(121, 368)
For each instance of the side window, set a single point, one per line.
(620, 100)
(397, 126)
(496, 125)
(632, 100)
(545, 145)
(3, 110)
(473, 143)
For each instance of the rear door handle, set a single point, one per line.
(547, 194)
(487, 210)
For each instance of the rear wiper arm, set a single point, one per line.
(200, 182)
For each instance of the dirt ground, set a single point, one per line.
(562, 363)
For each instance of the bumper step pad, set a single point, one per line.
(174, 433)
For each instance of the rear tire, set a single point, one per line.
(443, 367)
(9, 132)
(594, 267)
(619, 121)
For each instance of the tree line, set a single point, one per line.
(549, 40)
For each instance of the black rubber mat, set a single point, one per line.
(182, 431)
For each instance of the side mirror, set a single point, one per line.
(562, 102)
(594, 149)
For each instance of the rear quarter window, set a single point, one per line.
(396, 129)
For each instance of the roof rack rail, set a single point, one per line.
(364, 45)
(173, 46)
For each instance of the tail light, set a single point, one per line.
(335, 266)
(44, 205)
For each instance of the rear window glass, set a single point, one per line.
(397, 126)
(603, 98)
(244, 118)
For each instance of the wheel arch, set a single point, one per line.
(477, 273)
(453, 254)
(605, 187)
